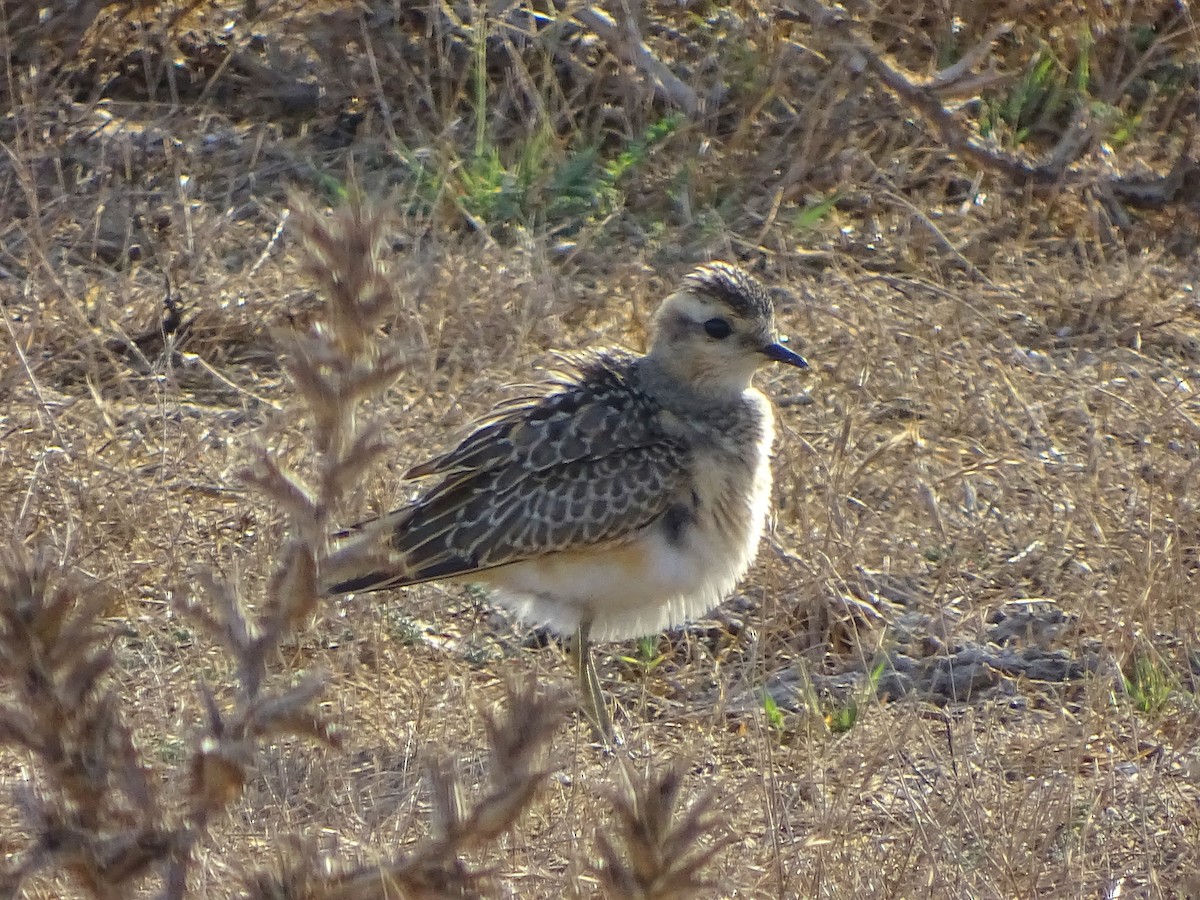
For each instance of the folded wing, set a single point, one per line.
(586, 465)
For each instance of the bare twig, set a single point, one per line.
(1060, 169)
(626, 42)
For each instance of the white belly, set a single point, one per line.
(651, 582)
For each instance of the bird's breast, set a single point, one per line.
(731, 470)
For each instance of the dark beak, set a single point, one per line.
(782, 354)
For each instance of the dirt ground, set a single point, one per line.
(966, 661)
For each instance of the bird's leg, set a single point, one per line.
(594, 706)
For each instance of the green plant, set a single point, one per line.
(813, 214)
(1053, 85)
(1148, 683)
(636, 151)
(332, 189)
(772, 712)
(491, 191)
(543, 178)
(648, 657)
(841, 717)
(404, 630)
(536, 187)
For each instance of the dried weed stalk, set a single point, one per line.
(96, 813)
(335, 365)
(664, 851)
(435, 868)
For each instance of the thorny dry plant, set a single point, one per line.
(95, 812)
(664, 849)
(96, 815)
(435, 869)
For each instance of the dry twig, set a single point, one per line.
(95, 812)
(624, 39)
(1182, 182)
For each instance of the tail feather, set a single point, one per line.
(379, 580)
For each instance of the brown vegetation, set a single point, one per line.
(967, 661)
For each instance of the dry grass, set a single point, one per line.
(976, 618)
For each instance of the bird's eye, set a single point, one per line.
(718, 328)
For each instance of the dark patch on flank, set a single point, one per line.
(678, 518)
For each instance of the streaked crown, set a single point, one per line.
(742, 293)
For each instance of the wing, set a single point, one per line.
(586, 465)
(479, 525)
(597, 413)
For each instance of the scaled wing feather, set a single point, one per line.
(583, 466)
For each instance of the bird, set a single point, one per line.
(626, 496)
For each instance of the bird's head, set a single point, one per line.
(715, 330)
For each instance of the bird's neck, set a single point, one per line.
(680, 382)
